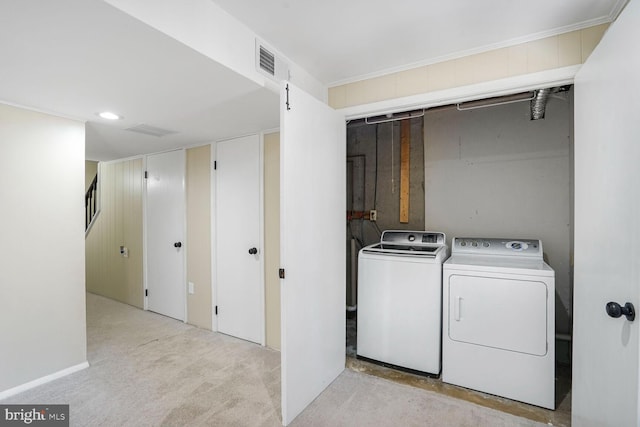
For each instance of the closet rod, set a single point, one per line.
(508, 99)
(393, 118)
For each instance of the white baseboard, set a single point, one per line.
(43, 380)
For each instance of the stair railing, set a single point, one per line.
(91, 203)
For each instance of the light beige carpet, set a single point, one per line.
(149, 370)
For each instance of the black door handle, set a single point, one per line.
(253, 251)
(177, 245)
(615, 310)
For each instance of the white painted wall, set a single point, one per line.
(492, 172)
(208, 29)
(42, 295)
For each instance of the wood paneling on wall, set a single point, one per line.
(119, 223)
(558, 51)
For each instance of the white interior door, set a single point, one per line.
(165, 231)
(607, 228)
(239, 257)
(312, 220)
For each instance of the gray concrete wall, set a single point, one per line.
(373, 182)
(489, 172)
(492, 172)
(383, 193)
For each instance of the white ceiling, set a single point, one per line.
(339, 40)
(77, 57)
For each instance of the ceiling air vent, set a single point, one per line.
(269, 63)
(150, 130)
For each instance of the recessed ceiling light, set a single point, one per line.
(109, 115)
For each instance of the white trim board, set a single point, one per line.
(185, 237)
(506, 86)
(213, 244)
(145, 300)
(43, 380)
(263, 290)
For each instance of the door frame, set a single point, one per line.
(145, 264)
(214, 241)
(492, 88)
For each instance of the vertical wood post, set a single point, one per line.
(405, 154)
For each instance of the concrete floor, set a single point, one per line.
(149, 370)
(560, 417)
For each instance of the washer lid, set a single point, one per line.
(425, 244)
(405, 250)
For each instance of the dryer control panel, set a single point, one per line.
(492, 246)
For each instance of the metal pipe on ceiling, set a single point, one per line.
(539, 103)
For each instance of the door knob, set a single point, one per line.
(253, 251)
(177, 244)
(615, 310)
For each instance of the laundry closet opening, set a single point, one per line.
(482, 169)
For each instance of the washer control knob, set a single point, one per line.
(474, 244)
(463, 243)
(411, 237)
(485, 244)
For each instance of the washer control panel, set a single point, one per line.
(493, 246)
(403, 237)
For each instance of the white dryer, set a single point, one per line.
(400, 299)
(499, 319)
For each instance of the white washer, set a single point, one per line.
(400, 300)
(499, 319)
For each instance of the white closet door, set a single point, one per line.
(605, 388)
(313, 205)
(239, 275)
(165, 212)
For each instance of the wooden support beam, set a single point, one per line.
(405, 154)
